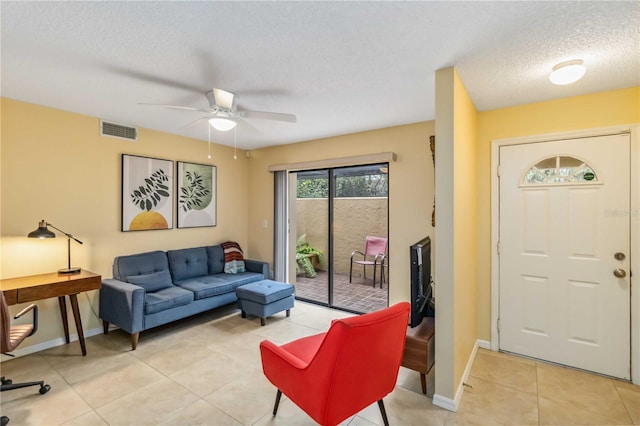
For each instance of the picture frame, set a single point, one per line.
(147, 193)
(196, 195)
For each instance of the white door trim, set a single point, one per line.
(634, 131)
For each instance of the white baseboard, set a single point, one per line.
(444, 402)
(452, 404)
(27, 350)
(484, 344)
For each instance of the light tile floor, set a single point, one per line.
(206, 370)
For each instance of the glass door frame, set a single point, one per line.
(331, 190)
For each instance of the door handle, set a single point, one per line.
(619, 273)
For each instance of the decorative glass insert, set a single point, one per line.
(559, 170)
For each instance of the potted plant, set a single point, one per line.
(305, 254)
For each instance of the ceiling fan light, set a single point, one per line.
(222, 124)
(567, 72)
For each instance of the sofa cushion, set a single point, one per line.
(213, 285)
(187, 263)
(215, 259)
(139, 264)
(152, 282)
(167, 298)
(233, 258)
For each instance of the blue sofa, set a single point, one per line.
(155, 288)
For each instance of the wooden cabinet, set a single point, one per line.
(419, 350)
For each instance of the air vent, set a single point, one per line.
(118, 131)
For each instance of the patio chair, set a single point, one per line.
(375, 252)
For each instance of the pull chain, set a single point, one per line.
(235, 142)
(209, 127)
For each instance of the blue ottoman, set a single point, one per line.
(265, 298)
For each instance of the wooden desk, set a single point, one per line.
(45, 286)
(419, 350)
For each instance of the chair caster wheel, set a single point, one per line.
(4, 420)
(7, 382)
(44, 389)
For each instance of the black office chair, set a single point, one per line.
(10, 338)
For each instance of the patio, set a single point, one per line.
(358, 296)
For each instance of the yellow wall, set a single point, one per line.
(465, 228)
(576, 113)
(56, 166)
(410, 189)
(456, 230)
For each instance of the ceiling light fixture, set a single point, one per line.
(222, 124)
(567, 72)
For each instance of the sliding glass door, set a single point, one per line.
(332, 214)
(310, 219)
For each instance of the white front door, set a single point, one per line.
(564, 251)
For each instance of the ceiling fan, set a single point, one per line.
(224, 113)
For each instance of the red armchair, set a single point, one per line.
(334, 375)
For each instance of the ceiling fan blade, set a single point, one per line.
(156, 79)
(245, 125)
(176, 107)
(194, 122)
(263, 115)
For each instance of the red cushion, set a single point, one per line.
(305, 348)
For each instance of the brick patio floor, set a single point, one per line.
(358, 296)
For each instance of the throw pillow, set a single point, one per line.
(233, 258)
(152, 282)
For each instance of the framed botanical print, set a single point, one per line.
(196, 195)
(147, 193)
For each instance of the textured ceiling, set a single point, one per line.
(341, 67)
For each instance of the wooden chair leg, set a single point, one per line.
(105, 326)
(134, 341)
(275, 407)
(383, 412)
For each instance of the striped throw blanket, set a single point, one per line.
(233, 258)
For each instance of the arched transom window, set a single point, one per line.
(559, 169)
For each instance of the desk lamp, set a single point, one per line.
(43, 232)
